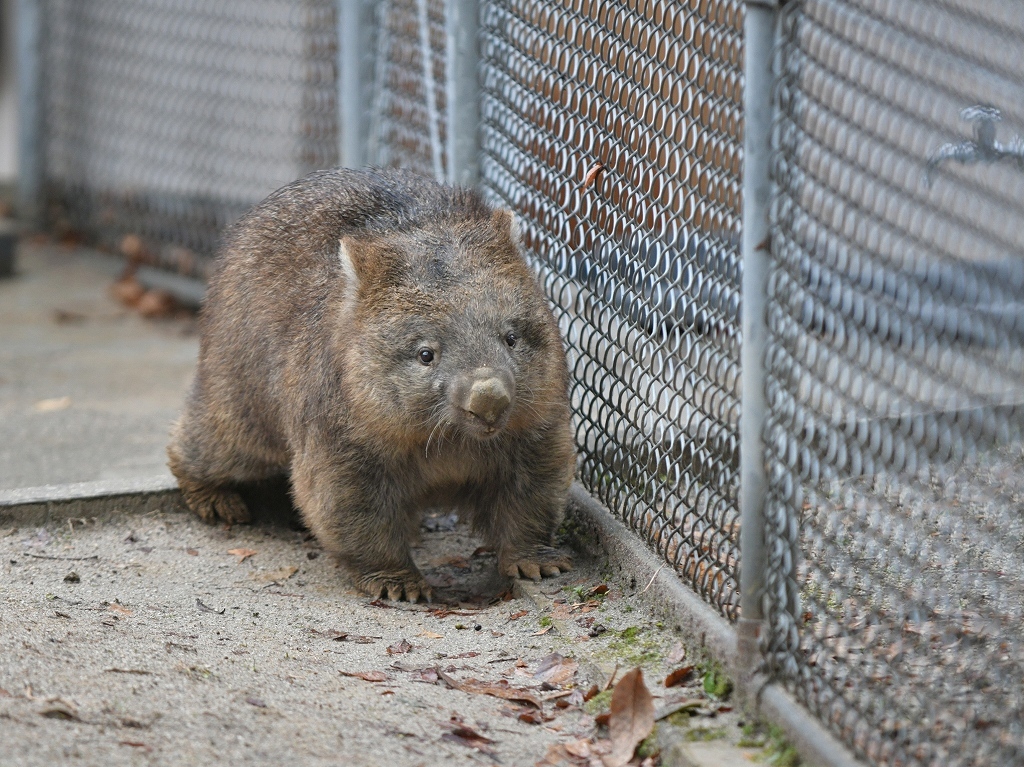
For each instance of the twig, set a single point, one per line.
(64, 559)
(651, 581)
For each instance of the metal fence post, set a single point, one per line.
(463, 19)
(759, 44)
(352, 76)
(30, 140)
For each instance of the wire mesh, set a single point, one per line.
(613, 129)
(410, 116)
(168, 119)
(895, 367)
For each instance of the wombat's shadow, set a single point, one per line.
(454, 562)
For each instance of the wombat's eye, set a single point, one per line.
(426, 355)
(511, 339)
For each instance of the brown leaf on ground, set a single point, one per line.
(518, 615)
(367, 676)
(398, 648)
(679, 676)
(594, 690)
(192, 552)
(281, 574)
(467, 736)
(499, 689)
(676, 654)
(630, 719)
(598, 590)
(430, 635)
(556, 669)
(116, 608)
(242, 554)
(52, 405)
(543, 631)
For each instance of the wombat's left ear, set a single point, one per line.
(509, 221)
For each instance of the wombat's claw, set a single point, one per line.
(394, 590)
(543, 563)
(212, 505)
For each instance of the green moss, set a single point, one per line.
(704, 734)
(631, 647)
(716, 682)
(649, 745)
(779, 752)
(599, 703)
(679, 718)
(545, 621)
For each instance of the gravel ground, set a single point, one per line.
(145, 640)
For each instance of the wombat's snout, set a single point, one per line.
(486, 394)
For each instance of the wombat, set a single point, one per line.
(378, 338)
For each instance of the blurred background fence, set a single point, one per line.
(893, 524)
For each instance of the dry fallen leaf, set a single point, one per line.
(281, 574)
(518, 615)
(367, 676)
(398, 648)
(676, 654)
(116, 608)
(52, 405)
(630, 719)
(431, 635)
(499, 689)
(555, 669)
(544, 630)
(679, 676)
(242, 554)
(467, 736)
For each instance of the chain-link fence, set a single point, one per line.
(168, 119)
(895, 426)
(896, 376)
(613, 132)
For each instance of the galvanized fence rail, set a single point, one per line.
(856, 498)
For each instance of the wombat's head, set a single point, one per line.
(448, 334)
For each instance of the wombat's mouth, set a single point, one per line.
(480, 428)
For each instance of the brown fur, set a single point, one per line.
(325, 297)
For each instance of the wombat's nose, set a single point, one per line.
(488, 399)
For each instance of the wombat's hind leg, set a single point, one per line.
(534, 563)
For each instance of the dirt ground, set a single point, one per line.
(155, 639)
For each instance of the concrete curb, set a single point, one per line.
(696, 622)
(93, 500)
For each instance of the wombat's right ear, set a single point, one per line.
(348, 256)
(506, 219)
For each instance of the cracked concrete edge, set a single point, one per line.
(37, 506)
(701, 626)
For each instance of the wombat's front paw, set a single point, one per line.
(533, 564)
(396, 585)
(213, 504)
